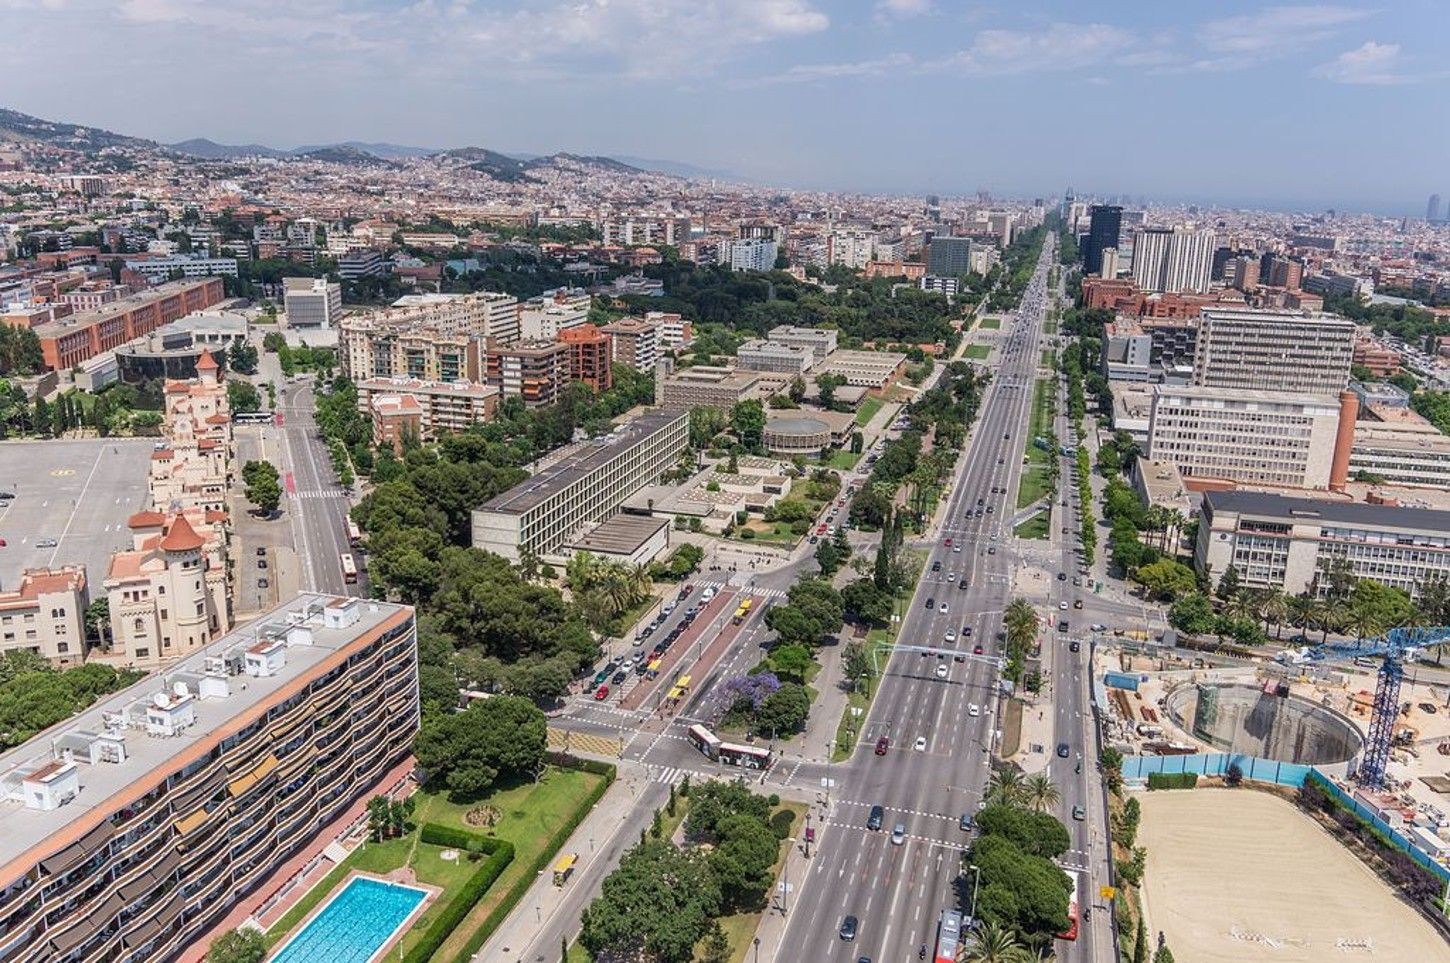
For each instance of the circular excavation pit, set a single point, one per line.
(1246, 719)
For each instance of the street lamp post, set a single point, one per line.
(757, 949)
(976, 880)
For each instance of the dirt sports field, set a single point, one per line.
(1238, 875)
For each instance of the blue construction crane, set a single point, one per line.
(1394, 647)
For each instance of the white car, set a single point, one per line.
(921, 743)
(941, 671)
(973, 711)
(951, 635)
(951, 576)
(957, 549)
(942, 607)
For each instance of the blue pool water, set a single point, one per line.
(354, 925)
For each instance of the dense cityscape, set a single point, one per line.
(465, 555)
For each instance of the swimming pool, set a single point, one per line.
(355, 924)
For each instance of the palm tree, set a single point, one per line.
(1362, 622)
(1241, 605)
(1039, 792)
(1301, 610)
(1005, 788)
(1274, 607)
(994, 944)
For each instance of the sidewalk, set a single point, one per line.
(773, 922)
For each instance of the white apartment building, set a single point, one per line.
(634, 342)
(543, 317)
(1272, 351)
(587, 486)
(749, 254)
(311, 302)
(1279, 542)
(759, 355)
(444, 406)
(158, 269)
(1418, 459)
(1176, 260)
(821, 341)
(485, 313)
(675, 331)
(45, 614)
(1255, 437)
(646, 229)
(850, 248)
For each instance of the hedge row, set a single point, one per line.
(1172, 780)
(556, 842)
(501, 853)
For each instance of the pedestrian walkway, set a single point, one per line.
(565, 740)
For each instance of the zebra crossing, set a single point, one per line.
(769, 593)
(320, 493)
(666, 775)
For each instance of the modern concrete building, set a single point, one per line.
(311, 302)
(759, 355)
(1272, 351)
(1281, 542)
(590, 356)
(1105, 222)
(550, 314)
(645, 229)
(821, 341)
(157, 269)
(633, 539)
(703, 385)
(361, 262)
(1173, 260)
(749, 254)
(132, 829)
(874, 370)
(1255, 437)
(636, 342)
(587, 486)
(1416, 459)
(1127, 352)
(45, 614)
(949, 256)
(535, 371)
(484, 314)
(794, 433)
(675, 331)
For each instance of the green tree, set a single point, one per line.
(657, 904)
(784, 711)
(1040, 792)
(742, 860)
(1192, 614)
(866, 603)
(1166, 579)
(242, 358)
(237, 946)
(791, 662)
(1037, 833)
(468, 751)
(242, 396)
(747, 419)
(263, 486)
(828, 557)
(716, 948)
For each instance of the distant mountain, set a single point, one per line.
(211, 150)
(384, 150)
(678, 168)
(344, 154)
(18, 127)
(604, 163)
(501, 167)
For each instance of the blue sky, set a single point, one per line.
(1308, 105)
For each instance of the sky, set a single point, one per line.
(1302, 106)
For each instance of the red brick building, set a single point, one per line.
(589, 355)
(67, 342)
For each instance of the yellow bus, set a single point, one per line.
(564, 868)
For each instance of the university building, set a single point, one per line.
(133, 828)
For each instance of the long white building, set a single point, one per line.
(1175, 260)
(1272, 351)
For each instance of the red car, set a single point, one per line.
(948, 543)
(977, 650)
(882, 745)
(601, 693)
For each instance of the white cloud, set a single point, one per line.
(1370, 63)
(892, 9)
(1274, 31)
(1058, 46)
(804, 73)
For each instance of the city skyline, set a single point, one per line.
(707, 84)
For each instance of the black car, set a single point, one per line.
(931, 603)
(873, 821)
(1074, 645)
(619, 677)
(848, 928)
(936, 566)
(1062, 750)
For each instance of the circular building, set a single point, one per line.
(797, 435)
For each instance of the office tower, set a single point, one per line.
(1273, 351)
(949, 257)
(1104, 223)
(749, 255)
(1175, 260)
(1432, 209)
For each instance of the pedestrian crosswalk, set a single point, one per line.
(769, 593)
(665, 775)
(320, 493)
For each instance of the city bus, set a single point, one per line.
(253, 417)
(354, 534)
(948, 936)
(743, 610)
(349, 568)
(1072, 908)
(704, 740)
(746, 757)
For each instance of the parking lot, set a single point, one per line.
(77, 493)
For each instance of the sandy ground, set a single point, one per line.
(1226, 862)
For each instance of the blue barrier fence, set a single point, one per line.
(1217, 764)
(1395, 836)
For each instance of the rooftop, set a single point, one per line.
(620, 534)
(587, 459)
(1289, 508)
(213, 682)
(119, 306)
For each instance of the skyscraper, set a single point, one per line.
(949, 257)
(1432, 209)
(1105, 221)
(1173, 259)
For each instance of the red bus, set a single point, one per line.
(948, 936)
(354, 534)
(349, 568)
(1072, 910)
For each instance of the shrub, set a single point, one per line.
(781, 822)
(1172, 780)
(501, 853)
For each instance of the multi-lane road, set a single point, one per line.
(897, 891)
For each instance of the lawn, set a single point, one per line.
(843, 460)
(1033, 486)
(867, 411)
(1049, 327)
(990, 324)
(529, 815)
(848, 730)
(1035, 527)
(978, 352)
(775, 532)
(1049, 358)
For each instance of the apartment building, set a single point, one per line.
(45, 614)
(70, 341)
(1255, 437)
(1272, 351)
(587, 486)
(136, 826)
(645, 229)
(636, 342)
(1173, 259)
(760, 355)
(156, 269)
(545, 317)
(1281, 542)
(397, 420)
(947, 286)
(749, 255)
(369, 347)
(1380, 360)
(443, 406)
(949, 256)
(168, 594)
(311, 302)
(1416, 459)
(821, 341)
(704, 385)
(590, 356)
(484, 313)
(873, 370)
(675, 331)
(534, 371)
(361, 262)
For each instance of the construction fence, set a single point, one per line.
(1396, 837)
(1217, 764)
